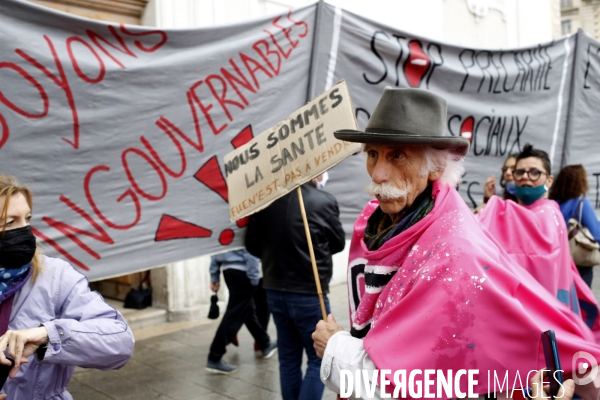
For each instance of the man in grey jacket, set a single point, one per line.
(240, 270)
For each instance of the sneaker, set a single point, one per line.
(269, 350)
(220, 367)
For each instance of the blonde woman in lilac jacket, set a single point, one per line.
(55, 322)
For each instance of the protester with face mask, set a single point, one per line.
(532, 175)
(507, 183)
(534, 233)
(50, 321)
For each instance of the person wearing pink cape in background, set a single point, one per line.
(428, 287)
(534, 234)
(507, 183)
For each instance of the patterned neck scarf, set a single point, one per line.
(13, 279)
(381, 227)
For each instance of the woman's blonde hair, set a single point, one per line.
(9, 186)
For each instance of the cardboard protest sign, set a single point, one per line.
(290, 153)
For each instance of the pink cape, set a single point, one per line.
(536, 238)
(457, 300)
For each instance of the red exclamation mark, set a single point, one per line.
(210, 174)
(241, 139)
(170, 227)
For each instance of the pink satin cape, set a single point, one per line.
(457, 300)
(536, 238)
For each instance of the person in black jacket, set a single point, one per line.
(276, 235)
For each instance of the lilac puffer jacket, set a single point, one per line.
(82, 330)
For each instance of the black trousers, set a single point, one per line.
(262, 308)
(240, 310)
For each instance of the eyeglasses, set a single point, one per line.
(533, 174)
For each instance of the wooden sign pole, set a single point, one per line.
(312, 254)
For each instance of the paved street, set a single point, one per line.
(171, 365)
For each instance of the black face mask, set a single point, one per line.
(17, 247)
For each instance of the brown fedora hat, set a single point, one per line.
(408, 117)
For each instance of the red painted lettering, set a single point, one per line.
(274, 40)
(298, 23)
(167, 126)
(247, 60)
(62, 83)
(286, 32)
(70, 231)
(190, 99)
(96, 38)
(203, 108)
(62, 251)
(132, 180)
(265, 55)
(160, 161)
(128, 193)
(140, 45)
(240, 80)
(222, 98)
(4, 136)
(78, 70)
(32, 81)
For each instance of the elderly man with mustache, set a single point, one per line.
(432, 297)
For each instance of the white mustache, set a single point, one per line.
(386, 190)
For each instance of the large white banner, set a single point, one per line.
(498, 99)
(121, 131)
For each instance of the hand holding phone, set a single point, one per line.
(538, 391)
(4, 370)
(555, 374)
